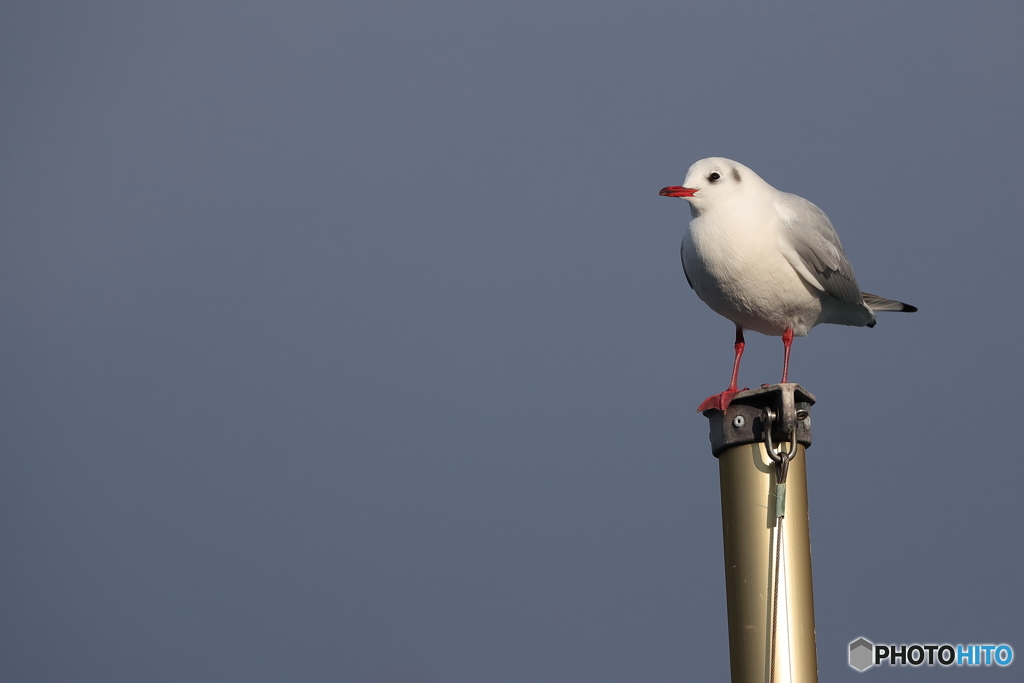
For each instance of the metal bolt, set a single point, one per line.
(802, 414)
(738, 421)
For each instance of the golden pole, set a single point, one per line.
(750, 528)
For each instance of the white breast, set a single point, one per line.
(733, 258)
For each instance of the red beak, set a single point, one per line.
(676, 191)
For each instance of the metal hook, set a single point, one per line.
(779, 457)
(773, 452)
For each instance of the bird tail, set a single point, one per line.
(877, 303)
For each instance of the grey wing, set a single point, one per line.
(683, 259)
(812, 247)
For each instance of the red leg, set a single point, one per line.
(738, 346)
(721, 401)
(787, 342)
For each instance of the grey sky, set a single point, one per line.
(349, 341)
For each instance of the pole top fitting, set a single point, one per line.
(743, 421)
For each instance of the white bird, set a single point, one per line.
(767, 260)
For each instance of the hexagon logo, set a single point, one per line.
(862, 654)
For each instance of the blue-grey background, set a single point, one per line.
(348, 341)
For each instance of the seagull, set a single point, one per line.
(767, 260)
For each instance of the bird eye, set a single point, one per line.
(714, 177)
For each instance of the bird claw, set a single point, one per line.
(719, 401)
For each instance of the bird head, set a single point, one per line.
(710, 181)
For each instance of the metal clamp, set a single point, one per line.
(744, 420)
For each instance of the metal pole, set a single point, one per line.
(751, 527)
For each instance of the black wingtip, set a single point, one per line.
(907, 308)
(872, 323)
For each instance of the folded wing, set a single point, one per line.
(811, 245)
